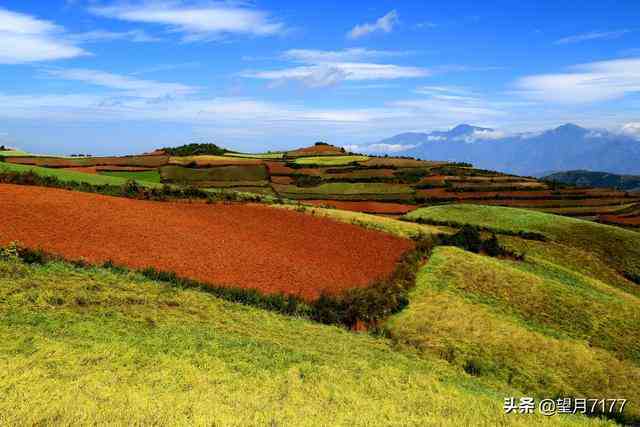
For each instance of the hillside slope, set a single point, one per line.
(584, 178)
(90, 346)
(509, 324)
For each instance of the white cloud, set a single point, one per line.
(377, 148)
(385, 24)
(136, 36)
(25, 39)
(595, 35)
(631, 129)
(336, 72)
(347, 55)
(596, 81)
(129, 86)
(488, 134)
(200, 21)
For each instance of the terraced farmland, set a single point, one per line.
(326, 175)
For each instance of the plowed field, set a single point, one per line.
(250, 246)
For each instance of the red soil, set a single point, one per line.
(623, 220)
(279, 168)
(93, 170)
(367, 207)
(316, 150)
(250, 246)
(283, 180)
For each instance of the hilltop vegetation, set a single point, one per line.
(195, 149)
(583, 178)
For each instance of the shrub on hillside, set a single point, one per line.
(195, 149)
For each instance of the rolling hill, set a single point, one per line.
(584, 178)
(353, 290)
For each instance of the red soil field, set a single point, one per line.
(245, 245)
(316, 150)
(279, 168)
(93, 170)
(367, 207)
(284, 180)
(621, 220)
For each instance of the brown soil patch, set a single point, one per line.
(251, 246)
(283, 180)
(279, 168)
(93, 170)
(366, 207)
(316, 150)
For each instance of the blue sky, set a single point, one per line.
(127, 76)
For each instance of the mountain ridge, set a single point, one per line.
(566, 147)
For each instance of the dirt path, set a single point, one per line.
(251, 246)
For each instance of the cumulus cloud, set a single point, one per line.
(25, 39)
(127, 86)
(384, 24)
(631, 129)
(594, 35)
(585, 83)
(197, 21)
(321, 68)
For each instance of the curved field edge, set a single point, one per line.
(509, 326)
(375, 222)
(617, 247)
(90, 346)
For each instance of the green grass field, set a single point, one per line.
(14, 153)
(144, 176)
(66, 175)
(618, 247)
(330, 160)
(553, 334)
(88, 346)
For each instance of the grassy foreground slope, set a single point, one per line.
(507, 325)
(90, 346)
(618, 248)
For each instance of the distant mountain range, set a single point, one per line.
(581, 178)
(567, 147)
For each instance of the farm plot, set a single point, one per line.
(150, 161)
(204, 161)
(317, 150)
(205, 176)
(330, 160)
(148, 175)
(248, 246)
(365, 207)
(348, 191)
(399, 163)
